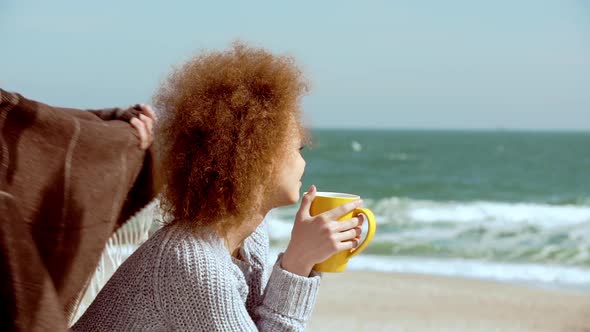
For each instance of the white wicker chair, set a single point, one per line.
(119, 247)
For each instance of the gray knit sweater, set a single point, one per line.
(178, 282)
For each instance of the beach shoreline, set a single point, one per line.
(390, 301)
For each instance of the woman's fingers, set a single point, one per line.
(148, 111)
(347, 224)
(143, 119)
(149, 124)
(348, 235)
(142, 132)
(347, 245)
(144, 125)
(342, 210)
(361, 222)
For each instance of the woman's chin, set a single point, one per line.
(288, 198)
(293, 198)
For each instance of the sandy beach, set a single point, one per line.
(372, 301)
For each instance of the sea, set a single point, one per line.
(502, 205)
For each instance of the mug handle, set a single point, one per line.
(370, 232)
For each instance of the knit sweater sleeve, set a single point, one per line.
(288, 301)
(264, 293)
(197, 293)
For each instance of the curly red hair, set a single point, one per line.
(226, 119)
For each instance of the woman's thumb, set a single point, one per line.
(308, 199)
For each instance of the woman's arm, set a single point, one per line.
(266, 293)
(9, 100)
(288, 300)
(140, 116)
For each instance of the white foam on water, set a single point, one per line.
(403, 210)
(510, 272)
(548, 275)
(399, 157)
(356, 146)
(461, 216)
(490, 240)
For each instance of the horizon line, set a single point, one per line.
(573, 130)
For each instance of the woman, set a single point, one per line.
(231, 138)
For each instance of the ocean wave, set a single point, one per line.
(498, 231)
(399, 156)
(549, 275)
(396, 210)
(402, 210)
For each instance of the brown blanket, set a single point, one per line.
(68, 179)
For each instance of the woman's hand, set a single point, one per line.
(316, 238)
(140, 116)
(143, 123)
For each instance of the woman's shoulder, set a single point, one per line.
(184, 252)
(203, 256)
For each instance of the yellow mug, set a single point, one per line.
(325, 201)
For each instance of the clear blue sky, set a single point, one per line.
(395, 64)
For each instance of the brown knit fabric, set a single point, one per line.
(68, 180)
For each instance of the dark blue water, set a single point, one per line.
(544, 167)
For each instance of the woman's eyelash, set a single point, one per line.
(301, 148)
